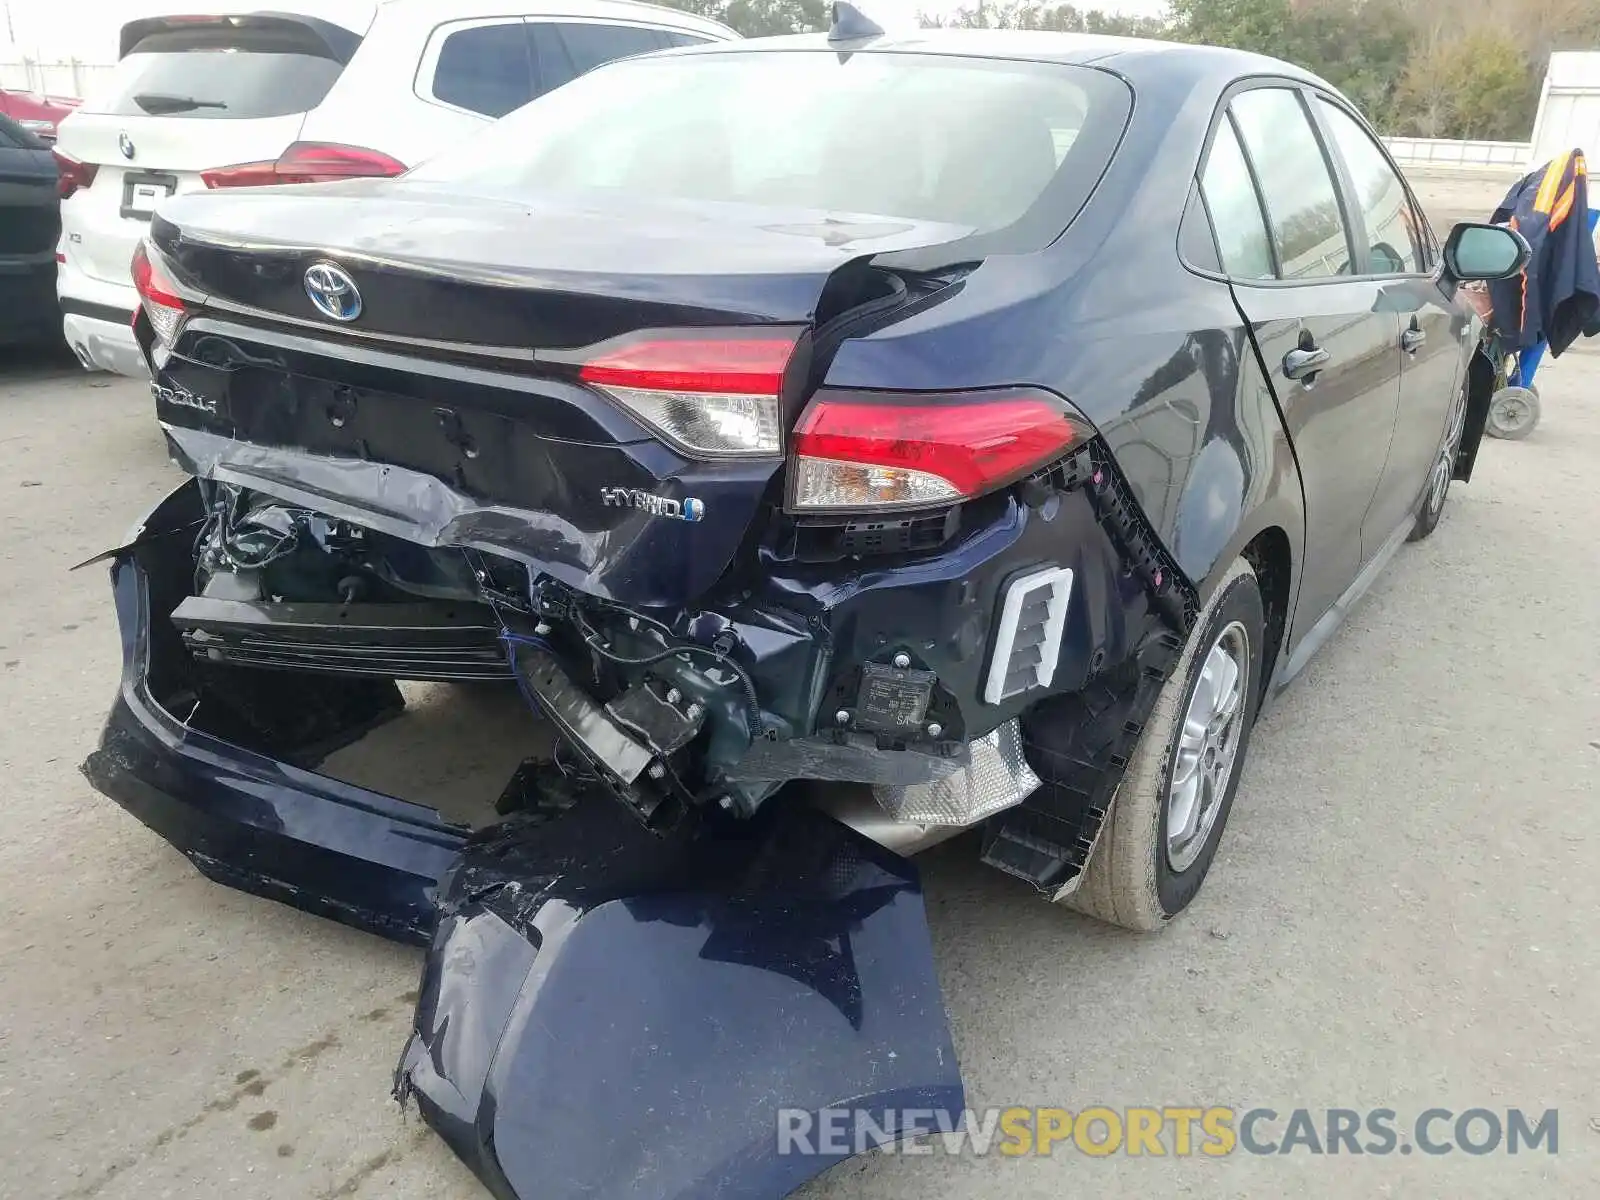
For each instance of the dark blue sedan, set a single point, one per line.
(841, 442)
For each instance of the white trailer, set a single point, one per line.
(1569, 107)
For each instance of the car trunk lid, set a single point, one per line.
(511, 278)
(500, 384)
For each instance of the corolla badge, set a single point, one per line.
(333, 292)
(125, 144)
(657, 506)
(183, 398)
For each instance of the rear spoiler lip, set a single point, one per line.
(339, 43)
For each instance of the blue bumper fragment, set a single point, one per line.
(605, 1013)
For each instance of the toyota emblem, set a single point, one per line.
(125, 144)
(333, 292)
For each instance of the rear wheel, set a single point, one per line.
(1169, 813)
(1513, 412)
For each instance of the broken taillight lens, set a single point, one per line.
(712, 394)
(157, 293)
(307, 162)
(71, 174)
(866, 451)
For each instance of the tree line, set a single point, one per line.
(1420, 68)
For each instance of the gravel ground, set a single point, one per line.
(1402, 914)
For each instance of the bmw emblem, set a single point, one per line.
(333, 292)
(125, 144)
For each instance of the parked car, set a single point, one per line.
(30, 223)
(305, 92)
(37, 113)
(978, 427)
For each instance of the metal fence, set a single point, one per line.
(71, 78)
(1467, 156)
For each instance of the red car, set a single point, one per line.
(38, 114)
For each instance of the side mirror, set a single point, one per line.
(1481, 252)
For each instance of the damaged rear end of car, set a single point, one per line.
(769, 635)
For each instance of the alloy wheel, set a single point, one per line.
(1208, 746)
(1444, 465)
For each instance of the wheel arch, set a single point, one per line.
(1270, 556)
(1482, 375)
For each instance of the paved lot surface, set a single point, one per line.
(1403, 913)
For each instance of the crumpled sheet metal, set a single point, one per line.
(996, 777)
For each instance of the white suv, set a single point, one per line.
(302, 93)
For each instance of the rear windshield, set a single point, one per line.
(989, 144)
(219, 73)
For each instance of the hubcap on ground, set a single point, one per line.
(1208, 746)
(1444, 466)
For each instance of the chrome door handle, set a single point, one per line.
(1301, 364)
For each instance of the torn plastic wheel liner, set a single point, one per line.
(606, 1010)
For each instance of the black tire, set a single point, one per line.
(1131, 880)
(1436, 488)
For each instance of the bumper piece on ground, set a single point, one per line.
(609, 1012)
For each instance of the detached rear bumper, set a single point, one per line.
(605, 1012)
(264, 827)
(608, 1013)
(249, 820)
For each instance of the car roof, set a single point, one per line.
(354, 15)
(357, 15)
(1127, 56)
(436, 12)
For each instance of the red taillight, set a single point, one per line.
(72, 174)
(752, 365)
(307, 162)
(863, 450)
(158, 293)
(714, 393)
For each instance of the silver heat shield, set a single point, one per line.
(997, 777)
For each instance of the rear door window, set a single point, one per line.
(485, 68)
(567, 49)
(676, 37)
(589, 45)
(1297, 184)
(220, 72)
(1236, 216)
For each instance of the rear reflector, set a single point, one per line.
(157, 293)
(713, 394)
(307, 162)
(71, 175)
(1027, 639)
(875, 450)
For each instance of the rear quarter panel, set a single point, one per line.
(1154, 355)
